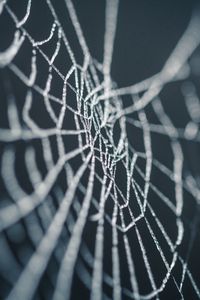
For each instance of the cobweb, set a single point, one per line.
(99, 184)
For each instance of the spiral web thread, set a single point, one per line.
(51, 219)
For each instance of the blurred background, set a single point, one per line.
(147, 32)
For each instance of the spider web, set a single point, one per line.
(88, 201)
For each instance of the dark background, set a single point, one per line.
(147, 32)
